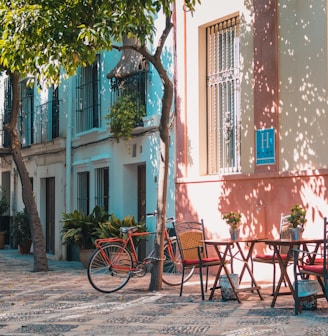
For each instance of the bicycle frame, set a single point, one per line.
(129, 245)
(117, 257)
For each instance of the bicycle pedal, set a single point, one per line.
(140, 270)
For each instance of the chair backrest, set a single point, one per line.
(284, 224)
(190, 236)
(284, 232)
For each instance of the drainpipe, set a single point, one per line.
(14, 193)
(69, 146)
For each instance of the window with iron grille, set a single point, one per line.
(7, 108)
(88, 102)
(54, 113)
(48, 118)
(223, 97)
(135, 86)
(83, 192)
(26, 114)
(102, 187)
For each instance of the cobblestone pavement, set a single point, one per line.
(62, 302)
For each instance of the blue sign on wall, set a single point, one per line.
(265, 146)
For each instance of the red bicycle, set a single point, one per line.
(115, 260)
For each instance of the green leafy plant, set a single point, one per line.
(80, 229)
(297, 217)
(233, 219)
(111, 228)
(21, 231)
(4, 205)
(124, 115)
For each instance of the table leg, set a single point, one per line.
(222, 260)
(284, 275)
(222, 257)
(245, 259)
(246, 267)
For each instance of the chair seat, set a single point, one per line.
(316, 261)
(205, 261)
(316, 268)
(303, 271)
(268, 257)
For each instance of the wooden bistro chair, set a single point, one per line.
(190, 236)
(271, 258)
(317, 268)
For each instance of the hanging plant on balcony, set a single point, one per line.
(124, 116)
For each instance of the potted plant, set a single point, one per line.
(80, 230)
(4, 205)
(125, 115)
(233, 220)
(297, 220)
(21, 232)
(111, 228)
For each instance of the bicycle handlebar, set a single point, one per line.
(154, 213)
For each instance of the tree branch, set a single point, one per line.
(152, 58)
(163, 38)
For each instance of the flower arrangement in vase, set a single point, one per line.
(233, 220)
(297, 220)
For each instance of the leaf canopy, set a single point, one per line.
(45, 38)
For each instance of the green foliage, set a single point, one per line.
(4, 205)
(45, 37)
(297, 216)
(124, 115)
(80, 229)
(111, 228)
(21, 231)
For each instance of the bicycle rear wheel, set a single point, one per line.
(109, 268)
(172, 266)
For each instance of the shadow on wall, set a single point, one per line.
(260, 201)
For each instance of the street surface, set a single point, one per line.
(62, 302)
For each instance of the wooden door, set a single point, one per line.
(50, 215)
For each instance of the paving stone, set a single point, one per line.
(62, 302)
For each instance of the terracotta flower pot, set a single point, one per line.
(2, 240)
(25, 246)
(85, 255)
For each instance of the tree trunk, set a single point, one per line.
(39, 248)
(167, 99)
(157, 271)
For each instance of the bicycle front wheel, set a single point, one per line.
(109, 268)
(172, 266)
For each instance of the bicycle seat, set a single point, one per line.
(126, 229)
